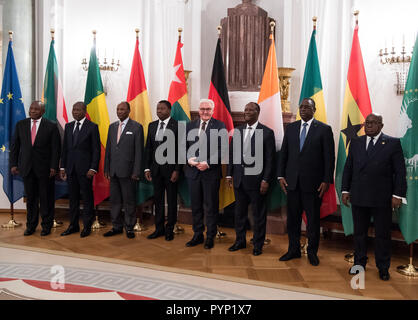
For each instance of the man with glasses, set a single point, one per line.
(374, 181)
(204, 172)
(305, 171)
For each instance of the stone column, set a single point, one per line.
(18, 16)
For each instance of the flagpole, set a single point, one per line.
(409, 269)
(12, 223)
(177, 228)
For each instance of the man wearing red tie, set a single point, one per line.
(34, 155)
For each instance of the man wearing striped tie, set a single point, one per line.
(305, 171)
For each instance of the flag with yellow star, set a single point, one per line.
(356, 108)
(11, 111)
(408, 132)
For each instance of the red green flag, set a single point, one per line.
(356, 108)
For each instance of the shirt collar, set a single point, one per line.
(165, 122)
(308, 122)
(207, 122)
(81, 121)
(254, 125)
(124, 121)
(37, 120)
(375, 138)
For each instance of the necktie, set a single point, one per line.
(160, 132)
(33, 131)
(203, 128)
(119, 132)
(370, 146)
(76, 132)
(303, 136)
(247, 141)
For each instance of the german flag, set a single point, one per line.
(218, 92)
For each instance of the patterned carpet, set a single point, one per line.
(43, 274)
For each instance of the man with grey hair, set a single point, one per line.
(204, 172)
(34, 155)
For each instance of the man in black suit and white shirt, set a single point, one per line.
(204, 172)
(164, 176)
(34, 155)
(251, 187)
(79, 163)
(305, 171)
(123, 162)
(374, 181)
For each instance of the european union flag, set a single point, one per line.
(11, 111)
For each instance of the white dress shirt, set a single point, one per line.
(38, 122)
(81, 124)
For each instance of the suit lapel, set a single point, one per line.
(378, 146)
(363, 151)
(40, 130)
(298, 133)
(83, 131)
(122, 134)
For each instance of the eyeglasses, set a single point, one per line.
(205, 109)
(372, 123)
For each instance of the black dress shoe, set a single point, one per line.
(289, 256)
(209, 243)
(384, 274)
(112, 232)
(195, 241)
(155, 234)
(28, 232)
(86, 232)
(45, 232)
(169, 236)
(257, 251)
(236, 246)
(356, 269)
(313, 259)
(130, 234)
(70, 230)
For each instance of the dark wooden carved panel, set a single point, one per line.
(245, 44)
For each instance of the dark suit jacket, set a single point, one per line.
(213, 159)
(43, 155)
(85, 155)
(236, 170)
(124, 159)
(312, 165)
(373, 180)
(152, 145)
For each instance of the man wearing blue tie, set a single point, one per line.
(305, 171)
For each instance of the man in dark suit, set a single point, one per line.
(34, 155)
(204, 172)
(374, 181)
(251, 187)
(163, 175)
(123, 161)
(79, 163)
(305, 171)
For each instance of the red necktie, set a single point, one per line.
(33, 131)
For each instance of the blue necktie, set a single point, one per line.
(302, 136)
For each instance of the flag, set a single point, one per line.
(312, 88)
(408, 129)
(11, 111)
(180, 109)
(356, 108)
(95, 101)
(271, 115)
(55, 110)
(218, 92)
(140, 112)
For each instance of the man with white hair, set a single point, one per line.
(204, 172)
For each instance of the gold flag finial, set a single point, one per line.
(52, 33)
(10, 35)
(94, 34)
(180, 30)
(314, 19)
(356, 13)
(272, 25)
(219, 30)
(137, 33)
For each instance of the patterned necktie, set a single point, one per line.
(247, 141)
(203, 128)
(370, 146)
(76, 132)
(303, 136)
(33, 131)
(160, 133)
(119, 132)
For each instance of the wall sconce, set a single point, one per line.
(399, 61)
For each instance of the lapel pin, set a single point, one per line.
(383, 142)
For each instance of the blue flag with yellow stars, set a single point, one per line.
(11, 111)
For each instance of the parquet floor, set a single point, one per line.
(331, 275)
